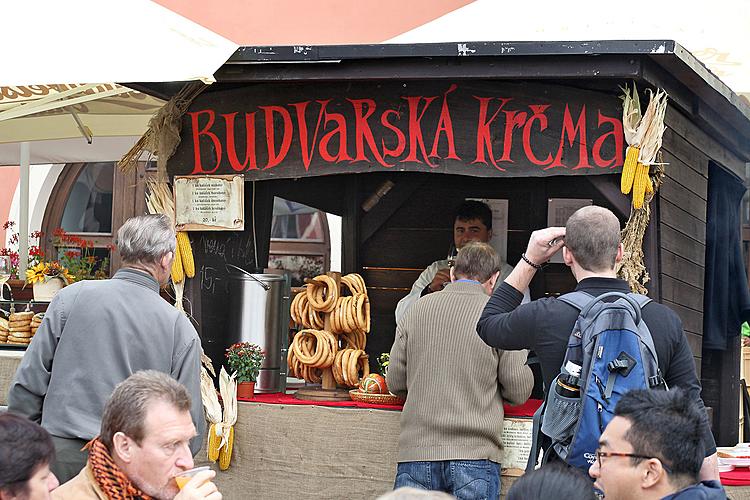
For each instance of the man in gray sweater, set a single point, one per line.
(454, 385)
(95, 334)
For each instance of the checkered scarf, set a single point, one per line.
(111, 480)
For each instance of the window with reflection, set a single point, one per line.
(299, 240)
(88, 208)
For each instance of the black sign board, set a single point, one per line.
(477, 128)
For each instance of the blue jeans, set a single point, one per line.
(465, 479)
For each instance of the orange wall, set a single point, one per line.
(8, 183)
(315, 22)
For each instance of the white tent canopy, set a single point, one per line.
(49, 41)
(67, 123)
(715, 33)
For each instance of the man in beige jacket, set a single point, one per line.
(143, 445)
(454, 384)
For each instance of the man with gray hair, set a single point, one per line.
(95, 334)
(454, 385)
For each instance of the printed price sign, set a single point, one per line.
(209, 203)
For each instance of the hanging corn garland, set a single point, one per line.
(642, 174)
(223, 432)
(159, 200)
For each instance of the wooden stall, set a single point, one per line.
(523, 122)
(393, 137)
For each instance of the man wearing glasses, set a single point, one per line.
(653, 449)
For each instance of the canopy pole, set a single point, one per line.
(23, 218)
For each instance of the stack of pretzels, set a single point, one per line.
(341, 347)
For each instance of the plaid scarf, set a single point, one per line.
(108, 476)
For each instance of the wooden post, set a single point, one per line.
(328, 381)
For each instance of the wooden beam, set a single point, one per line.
(388, 205)
(263, 205)
(651, 252)
(720, 378)
(440, 68)
(350, 225)
(606, 185)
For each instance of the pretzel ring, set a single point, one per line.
(338, 374)
(358, 361)
(320, 287)
(319, 355)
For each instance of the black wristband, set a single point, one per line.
(425, 290)
(526, 260)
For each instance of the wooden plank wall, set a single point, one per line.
(419, 231)
(682, 240)
(682, 235)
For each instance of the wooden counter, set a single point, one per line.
(288, 451)
(291, 451)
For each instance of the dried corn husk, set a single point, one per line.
(209, 398)
(163, 134)
(228, 389)
(651, 128)
(159, 198)
(632, 268)
(631, 114)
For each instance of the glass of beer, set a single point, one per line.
(185, 476)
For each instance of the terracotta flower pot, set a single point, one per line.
(246, 390)
(45, 290)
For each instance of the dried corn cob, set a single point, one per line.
(186, 252)
(649, 186)
(225, 454)
(213, 443)
(177, 273)
(639, 185)
(629, 169)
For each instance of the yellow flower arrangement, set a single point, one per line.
(44, 271)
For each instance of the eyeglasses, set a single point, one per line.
(607, 454)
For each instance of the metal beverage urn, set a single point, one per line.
(259, 313)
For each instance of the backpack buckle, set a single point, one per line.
(623, 364)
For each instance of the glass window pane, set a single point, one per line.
(295, 221)
(300, 266)
(88, 208)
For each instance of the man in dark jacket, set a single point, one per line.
(653, 449)
(591, 247)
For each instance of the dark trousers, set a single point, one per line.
(69, 459)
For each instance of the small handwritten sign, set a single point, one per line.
(209, 203)
(517, 435)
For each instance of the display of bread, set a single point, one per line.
(335, 321)
(19, 327)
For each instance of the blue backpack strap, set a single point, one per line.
(641, 299)
(577, 299)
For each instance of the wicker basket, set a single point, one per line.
(376, 399)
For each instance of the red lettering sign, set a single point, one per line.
(482, 128)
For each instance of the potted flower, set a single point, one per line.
(79, 256)
(244, 360)
(47, 278)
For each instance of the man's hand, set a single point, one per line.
(200, 487)
(545, 243)
(442, 278)
(538, 251)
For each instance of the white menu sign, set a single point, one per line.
(209, 202)
(499, 240)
